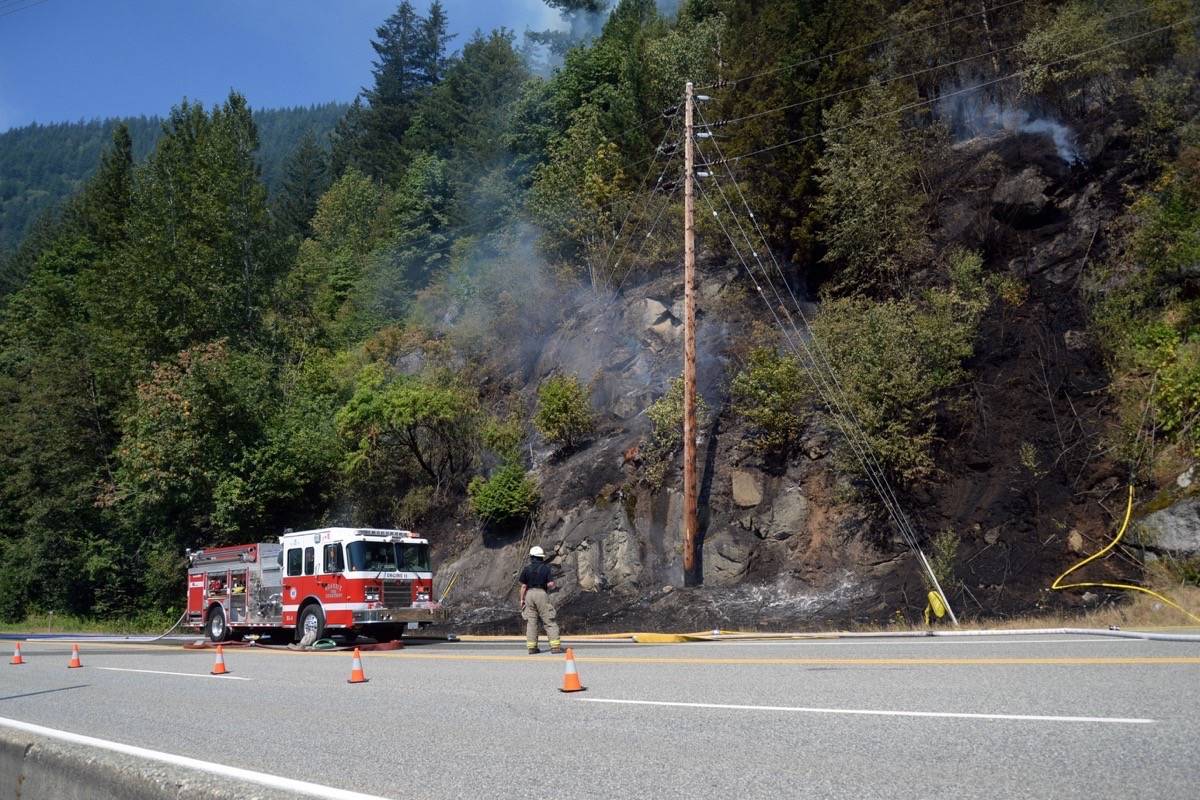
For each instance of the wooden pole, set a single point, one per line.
(689, 345)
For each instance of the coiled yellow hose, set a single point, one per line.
(1058, 585)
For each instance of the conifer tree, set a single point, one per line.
(391, 100)
(431, 51)
(305, 179)
(105, 203)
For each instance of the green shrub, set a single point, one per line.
(564, 414)
(1144, 316)
(871, 200)
(509, 494)
(941, 560)
(896, 361)
(1028, 455)
(1011, 290)
(1163, 100)
(503, 437)
(666, 437)
(413, 507)
(1068, 54)
(770, 395)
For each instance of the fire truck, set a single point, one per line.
(348, 580)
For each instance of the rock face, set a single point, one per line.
(1174, 530)
(1022, 197)
(796, 542)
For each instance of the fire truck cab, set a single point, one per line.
(350, 580)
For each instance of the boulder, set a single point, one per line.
(816, 447)
(726, 558)
(1175, 529)
(1022, 197)
(647, 312)
(789, 514)
(786, 515)
(747, 488)
(669, 330)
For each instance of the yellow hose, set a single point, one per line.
(1058, 585)
(450, 586)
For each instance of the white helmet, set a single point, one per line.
(537, 552)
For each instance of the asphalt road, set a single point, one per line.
(1034, 716)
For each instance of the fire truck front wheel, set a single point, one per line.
(312, 620)
(215, 626)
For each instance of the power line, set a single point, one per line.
(842, 414)
(855, 48)
(820, 365)
(637, 256)
(828, 384)
(841, 92)
(658, 186)
(658, 152)
(967, 90)
(11, 11)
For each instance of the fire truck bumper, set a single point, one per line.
(411, 614)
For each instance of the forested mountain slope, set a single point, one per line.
(947, 298)
(41, 165)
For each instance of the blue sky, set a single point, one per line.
(64, 60)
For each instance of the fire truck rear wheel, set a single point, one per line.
(312, 619)
(215, 626)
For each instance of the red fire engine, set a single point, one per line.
(375, 582)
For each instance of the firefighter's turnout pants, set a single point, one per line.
(538, 605)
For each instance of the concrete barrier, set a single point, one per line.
(39, 768)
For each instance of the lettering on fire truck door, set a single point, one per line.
(331, 568)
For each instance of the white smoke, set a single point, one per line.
(970, 117)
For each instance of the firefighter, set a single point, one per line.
(537, 582)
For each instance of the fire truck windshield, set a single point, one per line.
(413, 557)
(388, 557)
(372, 556)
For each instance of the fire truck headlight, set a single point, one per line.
(371, 594)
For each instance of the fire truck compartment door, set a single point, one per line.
(195, 600)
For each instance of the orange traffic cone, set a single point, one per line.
(571, 675)
(219, 664)
(356, 671)
(16, 659)
(74, 663)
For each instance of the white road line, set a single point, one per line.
(223, 770)
(876, 713)
(180, 674)
(893, 642)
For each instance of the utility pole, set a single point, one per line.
(689, 343)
